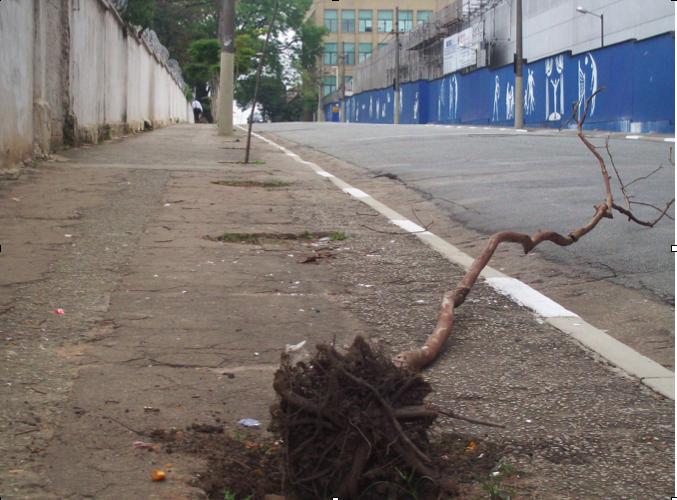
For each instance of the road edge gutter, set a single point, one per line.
(649, 373)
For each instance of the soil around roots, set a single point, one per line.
(350, 421)
(349, 425)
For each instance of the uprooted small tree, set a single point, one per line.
(352, 422)
(419, 358)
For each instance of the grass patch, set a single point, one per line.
(494, 485)
(229, 495)
(249, 238)
(247, 184)
(338, 236)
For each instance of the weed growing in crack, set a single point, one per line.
(229, 495)
(338, 236)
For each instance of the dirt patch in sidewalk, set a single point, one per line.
(346, 424)
(245, 465)
(252, 184)
(259, 238)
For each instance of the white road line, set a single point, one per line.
(355, 193)
(523, 294)
(408, 225)
(669, 139)
(632, 137)
(650, 373)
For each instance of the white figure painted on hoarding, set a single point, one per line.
(453, 97)
(587, 83)
(440, 102)
(401, 100)
(416, 107)
(497, 97)
(529, 93)
(371, 108)
(509, 101)
(378, 107)
(554, 69)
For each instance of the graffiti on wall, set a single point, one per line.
(416, 107)
(642, 101)
(497, 98)
(587, 83)
(554, 73)
(509, 101)
(530, 93)
(453, 97)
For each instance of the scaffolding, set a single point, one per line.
(421, 50)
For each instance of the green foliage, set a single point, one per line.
(189, 29)
(229, 495)
(140, 12)
(246, 48)
(254, 15)
(207, 50)
(338, 236)
(311, 44)
(204, 61)
(272, 95)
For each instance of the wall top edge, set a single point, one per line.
(126, 28)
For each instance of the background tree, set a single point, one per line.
(189, 30)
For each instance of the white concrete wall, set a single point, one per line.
(71, 72)
(87, 67)
(16, 81)
(115, 71)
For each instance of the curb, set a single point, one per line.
(551, 132)
(649, 373)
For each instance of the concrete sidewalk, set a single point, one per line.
(166, 326)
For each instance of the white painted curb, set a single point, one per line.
(649, 373)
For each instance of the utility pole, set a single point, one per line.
(396, 114)
(342, 60)
(257, 85)
(226, 75)
(320, 111)
(519, 80)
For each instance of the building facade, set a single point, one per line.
(358, 29)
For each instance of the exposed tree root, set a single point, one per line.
(349, 421)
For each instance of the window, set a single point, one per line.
(385, 21)
(328, 84)
(406, 20)
(348, 82)
(331, 20)
(365, 21)
(349, 53)
(423, 16)
(365, 51)
(348, 21)
(382, 46)
(330, 56)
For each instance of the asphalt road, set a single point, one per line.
(493, 179)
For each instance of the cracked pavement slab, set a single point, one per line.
(164, 328)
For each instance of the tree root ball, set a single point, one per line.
(352, 425)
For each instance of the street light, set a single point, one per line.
(580, 9)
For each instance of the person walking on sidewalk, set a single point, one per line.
(197, 110)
